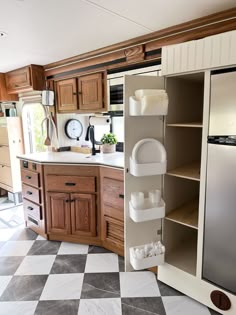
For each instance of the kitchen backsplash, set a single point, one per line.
(64, 141)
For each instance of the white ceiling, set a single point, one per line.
(45, 31)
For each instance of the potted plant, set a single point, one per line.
(109, 142)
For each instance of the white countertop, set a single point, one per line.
(110, 159)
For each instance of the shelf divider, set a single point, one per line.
(189, 171)
(187, 214)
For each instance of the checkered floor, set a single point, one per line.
(56, 278)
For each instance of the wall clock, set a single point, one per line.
(73, 129)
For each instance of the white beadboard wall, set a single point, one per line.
(64, 141)
(210, 52)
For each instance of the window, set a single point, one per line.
(34, 134)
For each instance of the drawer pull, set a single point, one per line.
(121, 196)
(32, 220)
(30, 208)
(28, 177)
(29, 193)
(67, 200)
(70, 184)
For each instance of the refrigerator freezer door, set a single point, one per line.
(223, 104)
(219, 257)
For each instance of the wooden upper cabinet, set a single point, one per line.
(83, 214)
(4, 96)
(90, 90)
(25, 79)
(66, 95)
(86, 93)
(58, 213)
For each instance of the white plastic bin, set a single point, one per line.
(144, 263)
(148, 213)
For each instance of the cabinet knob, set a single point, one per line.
(67, 200)
(121, 196)
(28, 177)
(29, 193)
(30, 208)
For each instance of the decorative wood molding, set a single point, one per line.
(130, 51)
(135, 53)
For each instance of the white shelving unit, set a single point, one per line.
(184, 135)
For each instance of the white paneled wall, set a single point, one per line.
(64, 141)
(210, 52)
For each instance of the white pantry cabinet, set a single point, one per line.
(184, 134)
(210, 52)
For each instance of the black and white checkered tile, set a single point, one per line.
(56, 278)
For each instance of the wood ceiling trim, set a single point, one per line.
(195, 29)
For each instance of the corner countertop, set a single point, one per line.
(110, 159)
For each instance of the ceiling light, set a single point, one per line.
(3, 34)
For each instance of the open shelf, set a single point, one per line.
(184, 256)
(186, 125)
(186, 214)
(190, 171)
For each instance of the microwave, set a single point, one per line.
(115, 85)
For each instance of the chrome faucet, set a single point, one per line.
(91, 136)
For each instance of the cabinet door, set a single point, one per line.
(58, 213)
(91, 94)
(4, 96)
(19, 78)
(83, 214)
(66, 95)
(113, 235)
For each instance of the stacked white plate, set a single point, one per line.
(148, 158)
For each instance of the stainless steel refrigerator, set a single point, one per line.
(219, 255)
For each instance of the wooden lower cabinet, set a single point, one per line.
(91, 211)
(112, 209)
(58, 213)
(83, 215)
(71, 214)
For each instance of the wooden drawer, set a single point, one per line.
(32, 222)
(30, 178)
(70, 183)
(5, 155)
(3, 135)
(31, 166)
(5, 175)
(30, 193)
(113, 212)
(18, 79)
(113, 193)
(32, 209)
